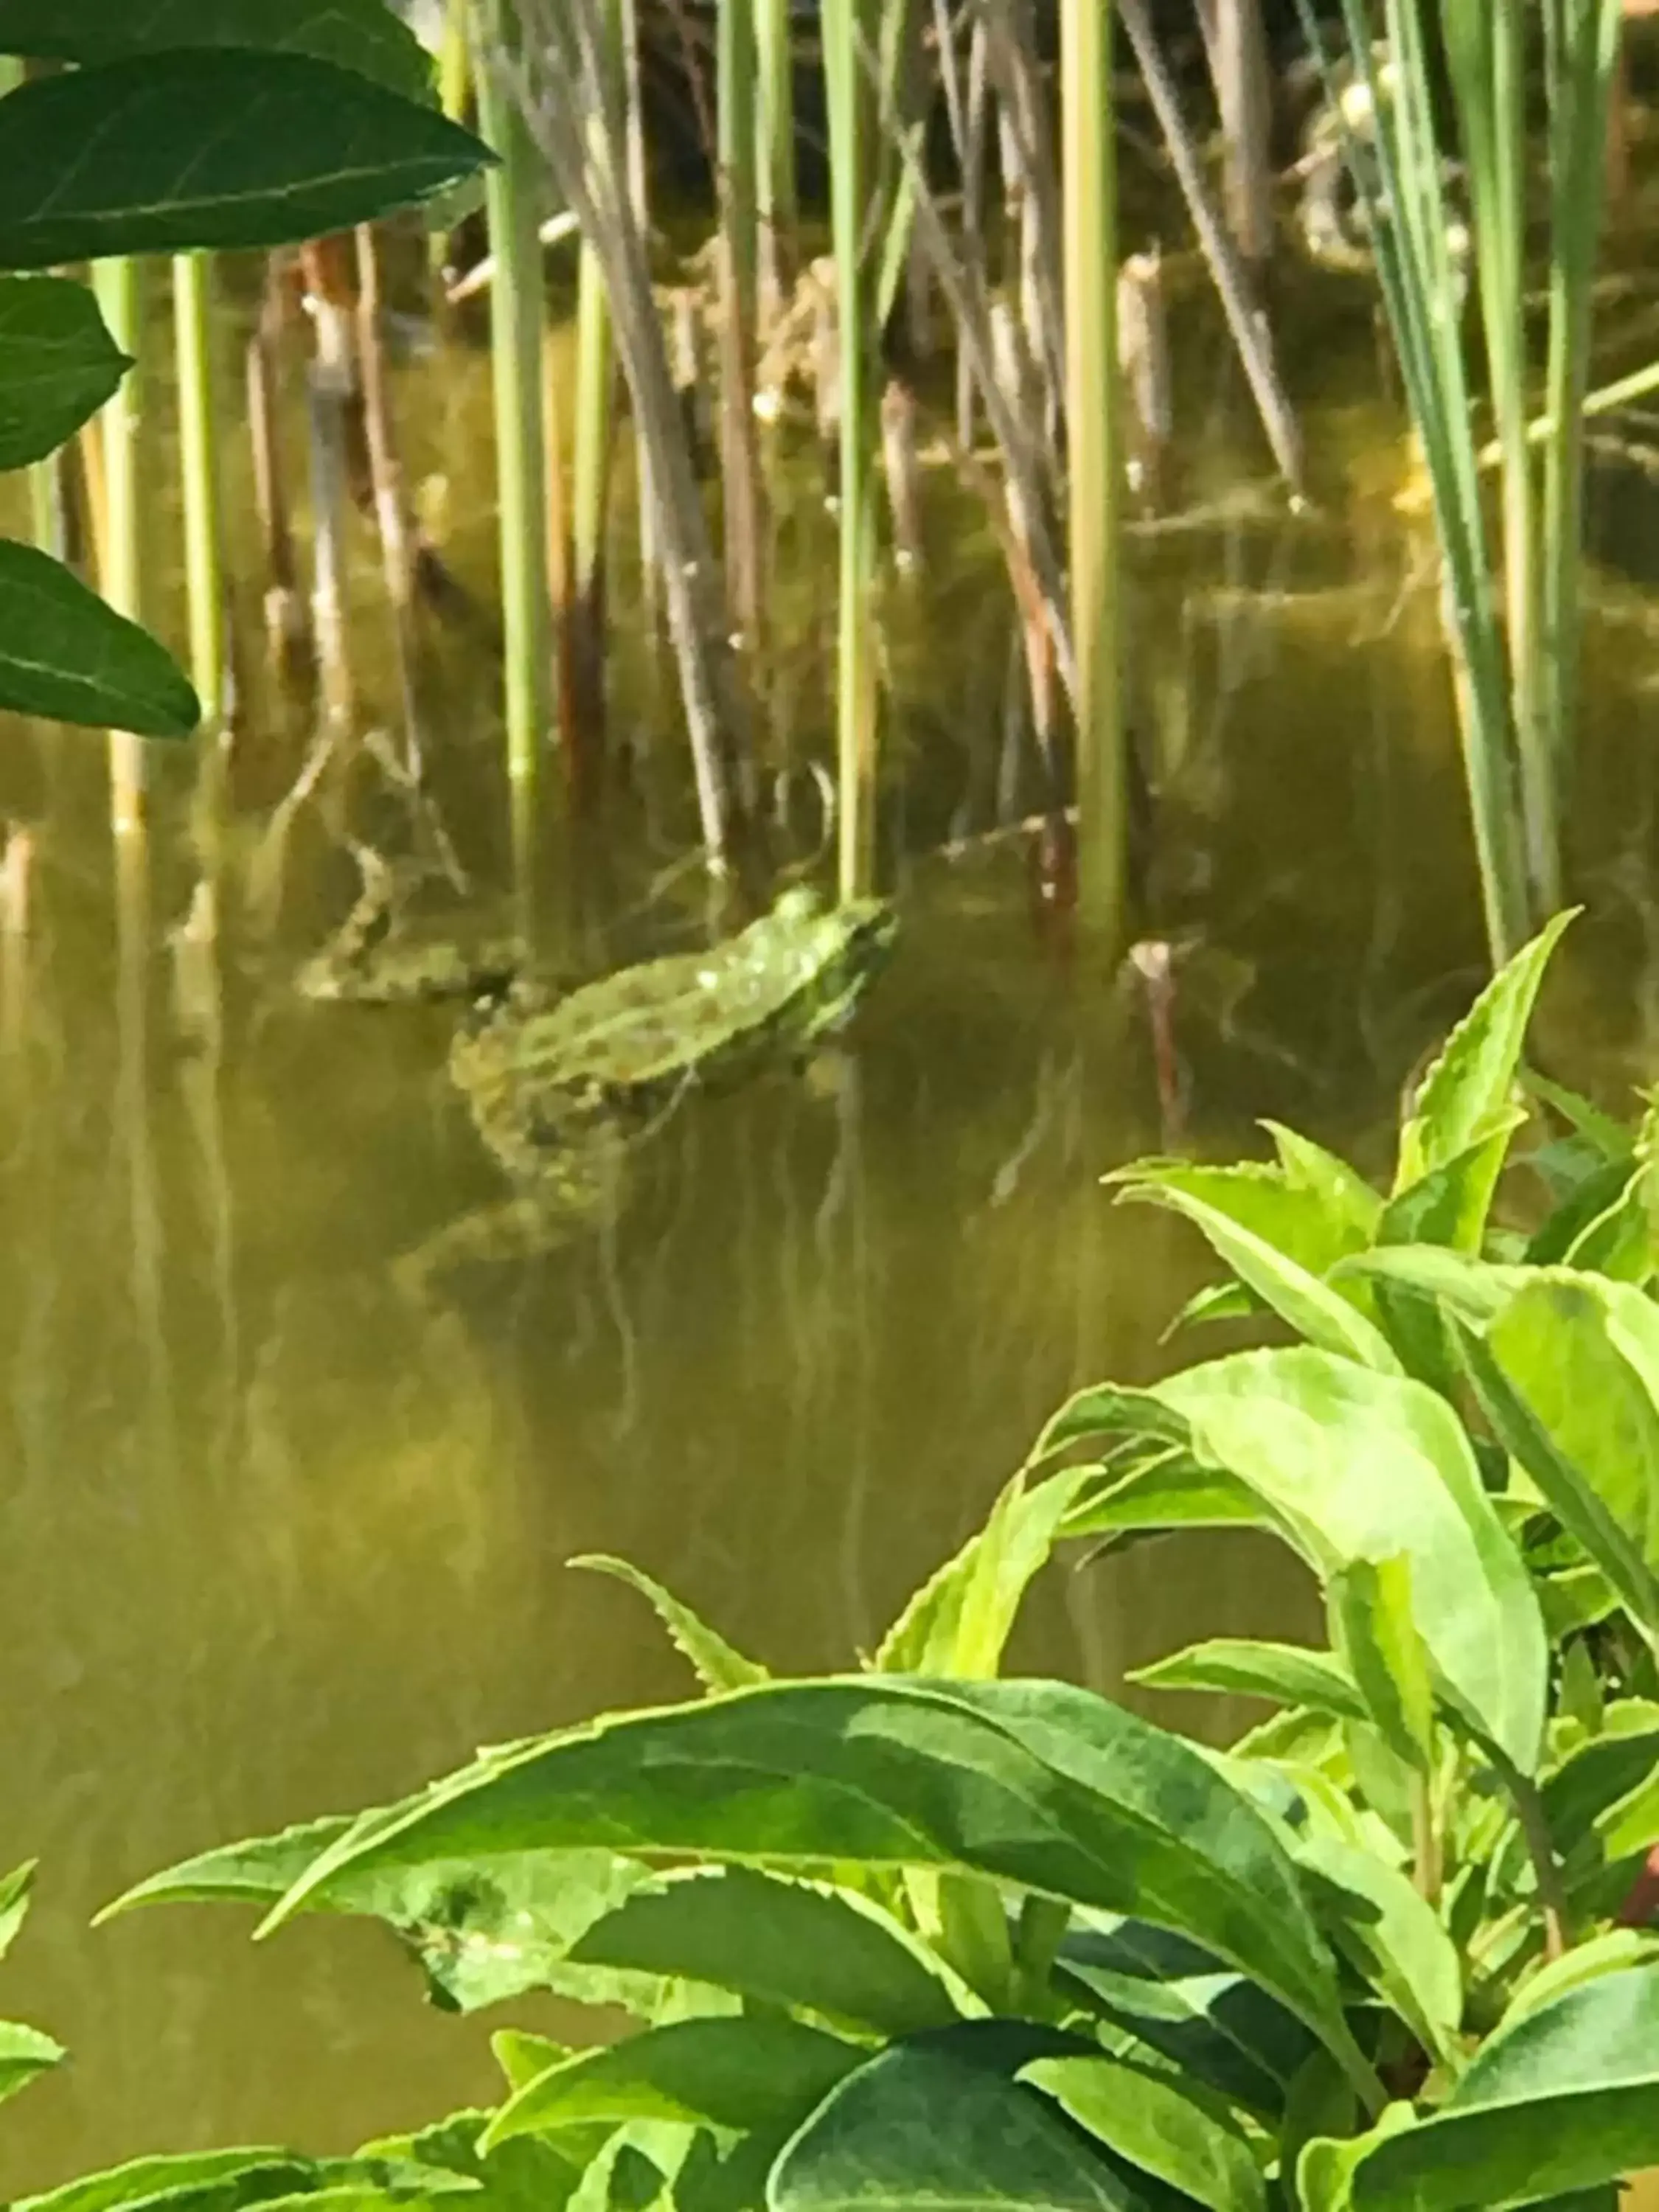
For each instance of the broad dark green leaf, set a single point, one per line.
(1448, 1203)
(58, 365)
(1602, 1186)
(15, 1903)
(1475, 1074)
(1178, 2000)
(716, 1663)
(364, 35)
(1292, 1674)
(740, 2074)
(210, 149)
(1565, 2098)
(24, 2053)
(1037, 1783)
(1359, 1465)
(782, 1942)
(68, 658)
(959, 1623)
(921, 2129)
(1155, 2122)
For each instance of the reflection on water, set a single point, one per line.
(277, 1542)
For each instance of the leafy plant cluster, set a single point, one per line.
(919, 1936)
(185, 124)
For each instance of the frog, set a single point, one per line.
(561, 1088)
(385, 954)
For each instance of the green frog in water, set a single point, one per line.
(561, 1087)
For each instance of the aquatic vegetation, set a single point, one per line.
(918, 1928)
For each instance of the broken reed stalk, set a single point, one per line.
(1238, 54)
(567, 94)
(284, 607)
(738, 247)
(386, 484)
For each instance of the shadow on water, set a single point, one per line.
(277, 1543)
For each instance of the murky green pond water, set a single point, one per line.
(277, 1543)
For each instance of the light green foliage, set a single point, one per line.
(716, 1664)
(923, 1936)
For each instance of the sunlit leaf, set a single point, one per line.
(199, 149)
(1565, 2097)
(15, 1903)
(1391, 1935)
(1155, 2122)
(1358, 1466)
(1475, 1074)
(740, 2074)
(1370, 1605)
(24, 2053)
(1037, 1783)
(781, 1942)
(1290, 1673)
(1345, 1194)
(716, 1663)
(959, 1621)
(67, 657)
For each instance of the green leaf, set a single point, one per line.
(1325, 2170)
(1391, 1935)
(919, 2130)
(1155, 2123)
(1474, 1289)
(959, 1621)
(1035, 1783)
(742, 2074)
(1566, 1398)
(1322, 1315)
(716, 1663)
(1289, 1673)
(24, 2053)
(1448, 1205)
(1565, 2097)
(214, 2180)
(1605, 1135)
(1586, 1204)
(1373, 1627)
(67, 657)
(781, 1942)
(527, 2175)
(1347, 1198)
(15, 1903)
(364, 35)
(1475, 1075)
(210, 149)
(1170, 1493)
(1614, 1951)
(1356, 1466)
(1107, 1409)
(1180, 2000)
(1267, 1203)
(58, 365)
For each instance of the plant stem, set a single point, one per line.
(1089, 223)
(198, 458)
(515, 321)
(119, 288)
(1540, 1849)
(844, 46)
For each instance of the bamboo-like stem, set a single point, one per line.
(1089, 219)
(736, 108)
(198, 458)
(515, 322)
(118, 287)
(776, 206)
(844, 45)
(1240, 58)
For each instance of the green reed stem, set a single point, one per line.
(1582, 66)
(1089, 248)
(198, 461)
(844, 34)
(738, 106)
(515, 322)
(118, 287)
(595, 396)
(776, 203)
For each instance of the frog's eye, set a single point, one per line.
(801, 902)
